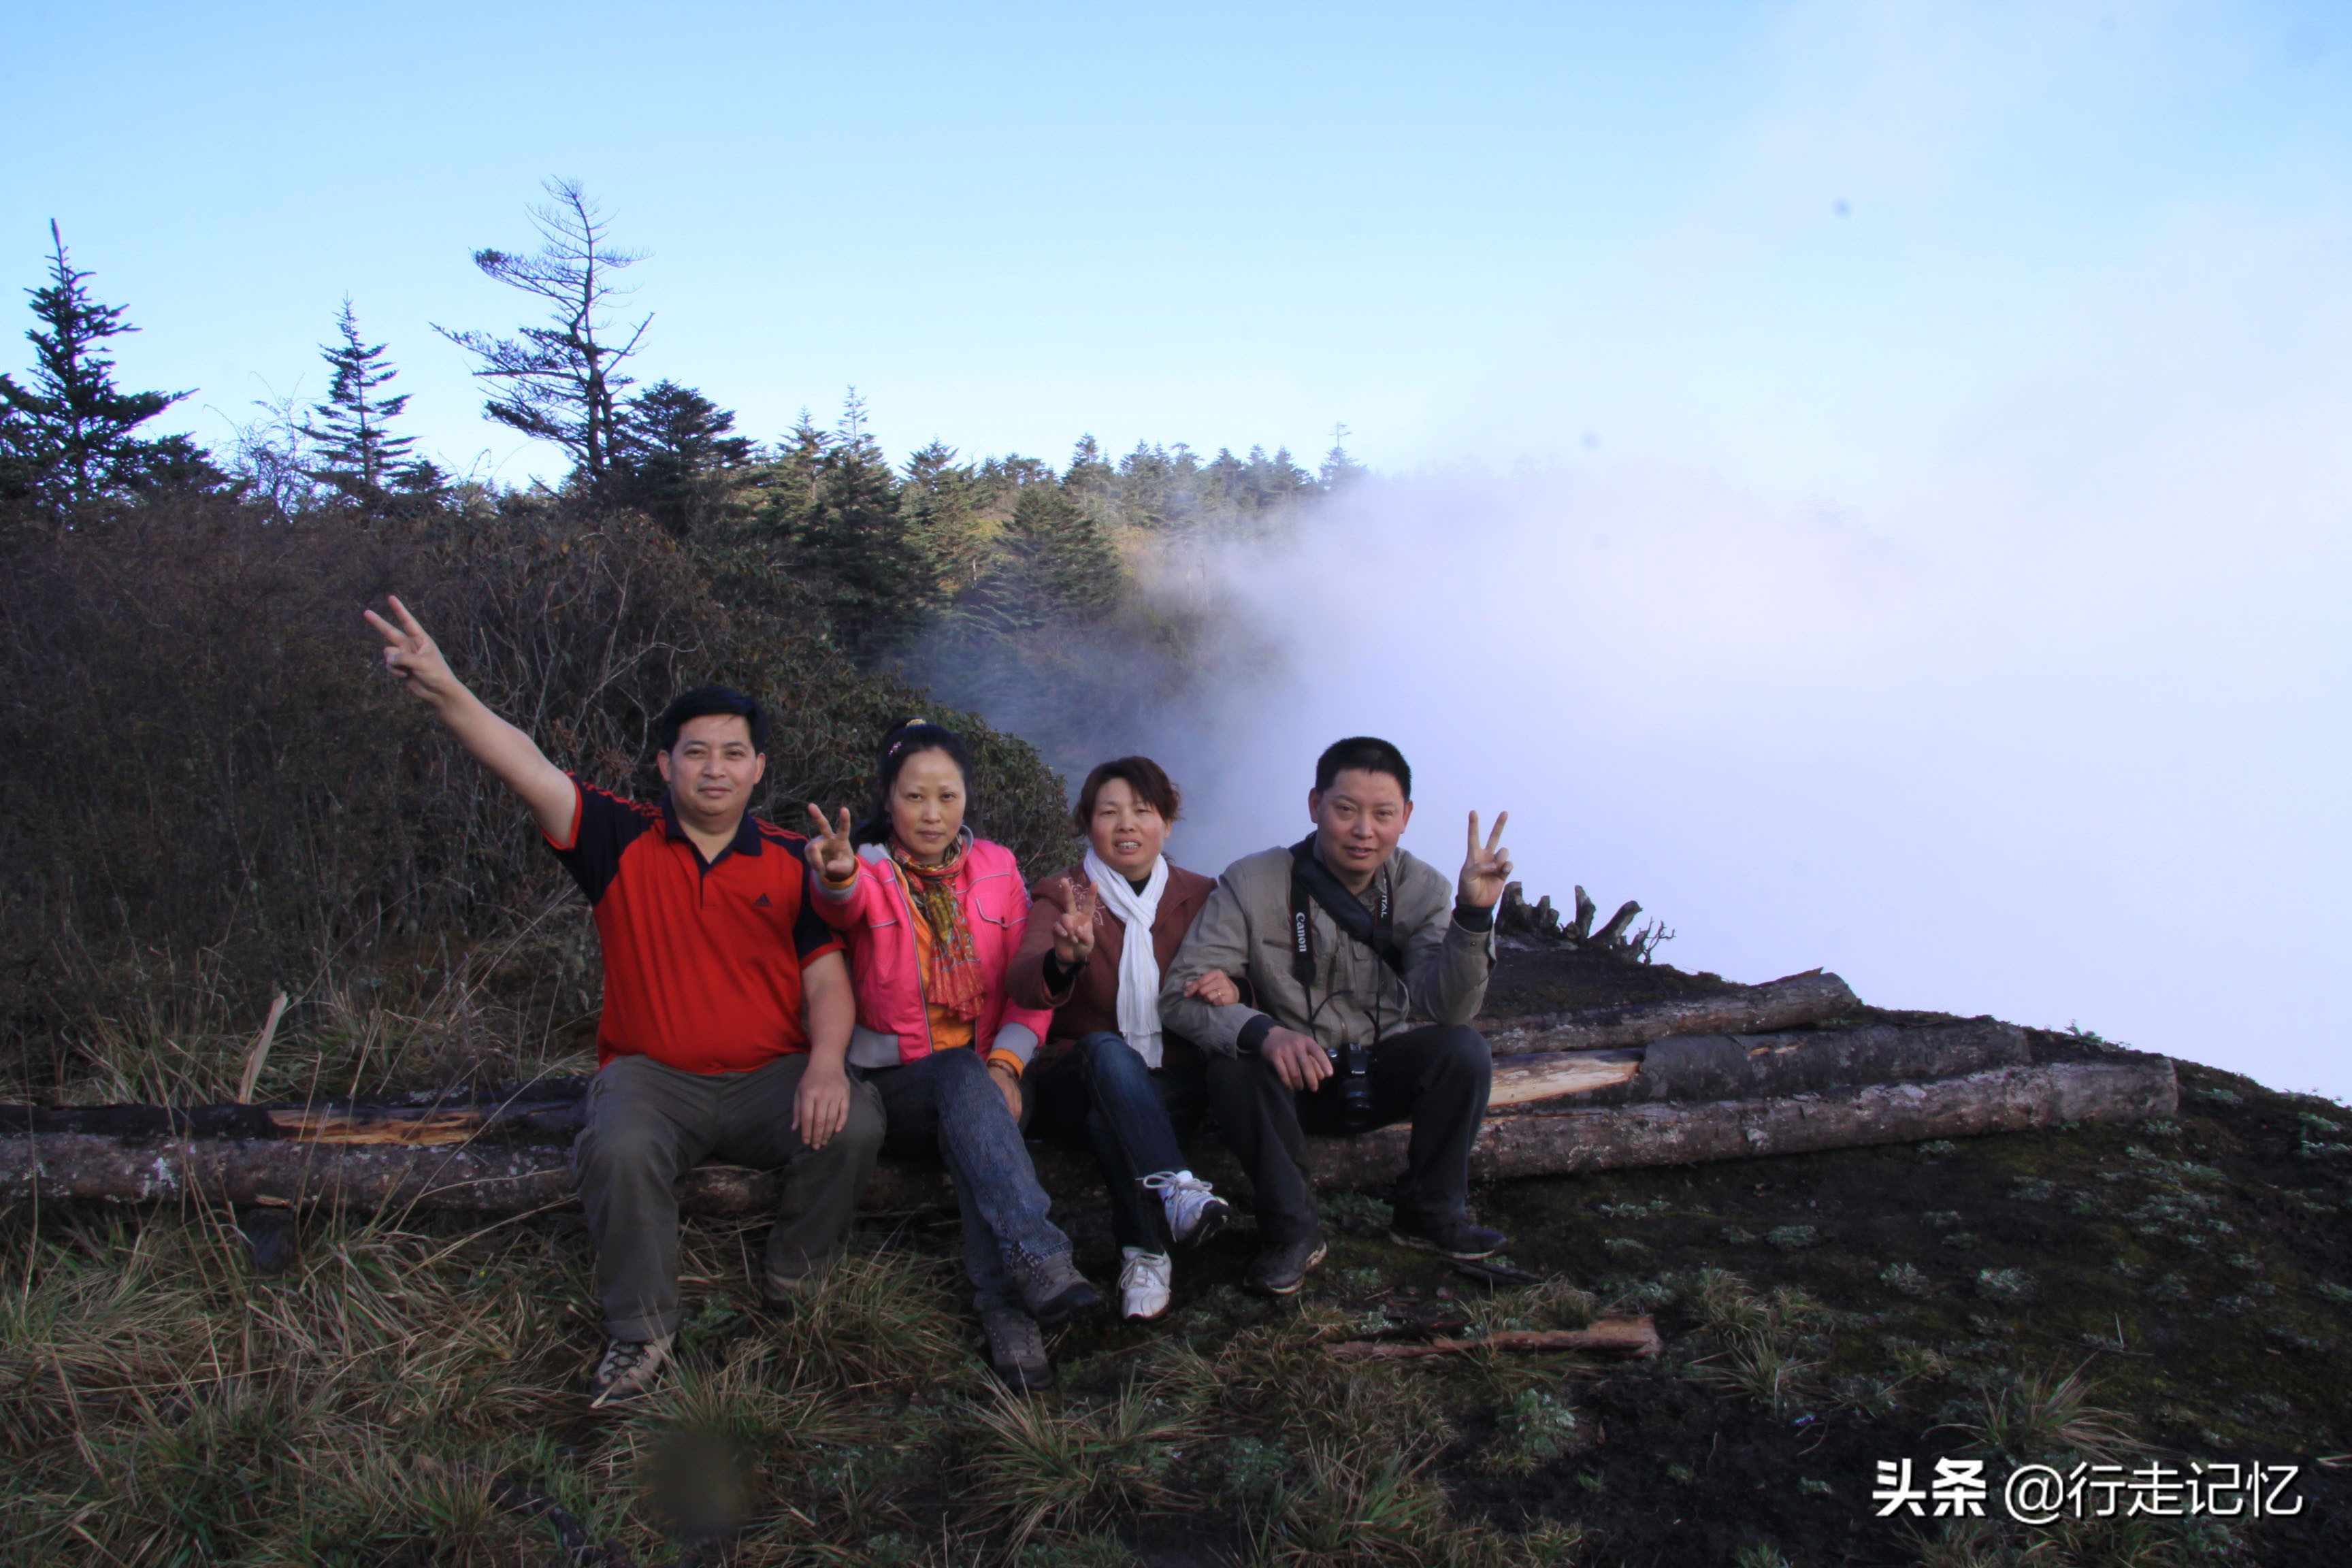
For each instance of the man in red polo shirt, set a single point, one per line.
(727, 1006)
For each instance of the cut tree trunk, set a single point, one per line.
(1786, 1004)
(1690, 1132)
(489, 1176)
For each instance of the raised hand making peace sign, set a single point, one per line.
(412, 655)
(1487, 868)
(415, 660)
(829, 849)
(1074, 929)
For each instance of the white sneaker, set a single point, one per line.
(1144, 1278)
(1196, 1213)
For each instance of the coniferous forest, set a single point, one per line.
(210, 793)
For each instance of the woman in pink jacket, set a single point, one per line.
(934, 916)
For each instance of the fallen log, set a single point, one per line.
(488, 1176)
(1687, 1132)
(1714, 1066)
(1774, 1065)
(1608, 1336)
(1786, 1004)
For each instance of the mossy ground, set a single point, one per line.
(408, 1395)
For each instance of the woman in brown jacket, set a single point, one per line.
(1108, 1077)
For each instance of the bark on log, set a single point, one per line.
(1609, 1336)
(489, 1178)
(1689, 1133)
(1757, 1066)
(1752, 1010)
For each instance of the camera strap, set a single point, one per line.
(1310, 880)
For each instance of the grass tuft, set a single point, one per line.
(1040, 1468)
(2041, 1415)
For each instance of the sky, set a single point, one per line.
(1871, 481)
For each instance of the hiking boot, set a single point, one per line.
(628, 1369)
(1456, 1238)
(1143, 1281)
(1053, 1289)
(1196, 1213)
(1016, 1352)
(782, 1293)
(1280, 1269)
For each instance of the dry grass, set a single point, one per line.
(391, 1399)
(2044, 1414)
(1765, 1354)
(1083, 1464)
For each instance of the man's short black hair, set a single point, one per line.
(1369, 753)
(701, 703)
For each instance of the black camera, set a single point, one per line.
(1351, 1084)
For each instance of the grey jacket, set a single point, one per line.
(1244, 930)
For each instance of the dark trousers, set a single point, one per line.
(947, 1101)
(648, 1124)
(1098, 1094)
(1438, 1075)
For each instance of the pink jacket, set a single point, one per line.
(893, 1026)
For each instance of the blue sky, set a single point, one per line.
(1917, 438)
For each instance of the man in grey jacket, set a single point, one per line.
(1366, 970)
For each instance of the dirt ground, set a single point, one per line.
(2197, 1272)
(2175, 1292)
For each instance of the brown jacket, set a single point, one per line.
(1091, 1001)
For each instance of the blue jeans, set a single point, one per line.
(948, 1101)
(1100, 1094)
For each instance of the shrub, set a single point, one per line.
(203, 771)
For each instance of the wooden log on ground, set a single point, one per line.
(1690, 1132)
(1605, 1336)
(490, 1178)
(1786, 1004)
(1774, 1065)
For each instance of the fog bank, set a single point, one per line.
(2050, 722)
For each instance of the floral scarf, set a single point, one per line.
(952, 973)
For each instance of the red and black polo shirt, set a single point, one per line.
(702, 962)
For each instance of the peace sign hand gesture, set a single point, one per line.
(1487, 868)
(829, 849)
(412, 655)
(1074, 929)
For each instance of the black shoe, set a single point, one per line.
(1017, 1353)
(1281, 1269)
(1054, 1290)
(1456, 1238)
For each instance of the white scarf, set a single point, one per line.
(1138, 963)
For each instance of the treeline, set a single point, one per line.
(206, 793)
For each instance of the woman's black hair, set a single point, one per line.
(910, 740)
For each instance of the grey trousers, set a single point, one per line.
(1438, 1075)
(649, 1124)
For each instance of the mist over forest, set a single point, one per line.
(264, 812)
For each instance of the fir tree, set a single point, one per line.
(1339, 470)
(563, 382)
(1089, 473)
(69, 437)
(855, 543)
(942, 499)
(353, 444)
(1058, 565)
(677, 457)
